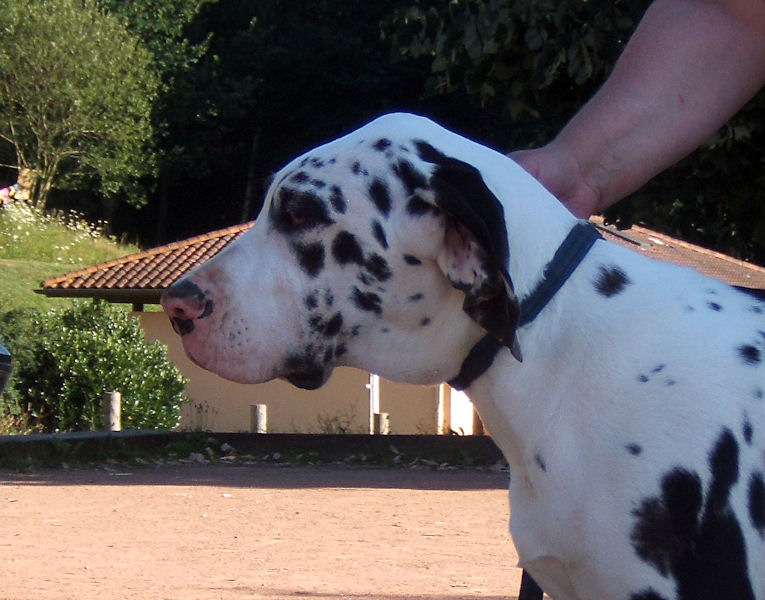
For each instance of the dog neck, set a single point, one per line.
(567, 257)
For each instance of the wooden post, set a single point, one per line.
(113, 411)
(382, 424)
(258, 418)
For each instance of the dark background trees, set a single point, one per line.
(247, 84)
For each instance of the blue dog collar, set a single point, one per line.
(564, 262)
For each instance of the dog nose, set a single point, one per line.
(184, 302)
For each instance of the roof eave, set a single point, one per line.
(121, 295)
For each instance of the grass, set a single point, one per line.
(20, 277)
(35, 246)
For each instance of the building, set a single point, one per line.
(352, 401)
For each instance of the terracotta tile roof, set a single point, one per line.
(141, 277)
(665, 248)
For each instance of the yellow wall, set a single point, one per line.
(412, 408)
(340, 406)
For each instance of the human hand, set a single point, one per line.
(560, 174)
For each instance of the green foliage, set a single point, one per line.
(65, 360)
(161, 26)
(529, 65)
(76, 94)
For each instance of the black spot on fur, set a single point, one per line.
(714, 306)
(758, 394)
(425, 322)
(611, 281)
(757, 502)
(415, 297)
(311, 301)
(337, 199)
(694, 539)
(643, 378)
(333, 326)
(648, 594)
(749, 354)
(634, 449)
(329, 354)
(658, 368)
(310, 257)
(318, 184)
(723, 461)
(409, 176)
(345, 249)
(748, 431)
(300, 177)
(540, 462)
(412, 260)
(667, 525)
(378, 267)
(367, 301)
(381, 145)
(379, 232)
(416, 206)
(428, 153)
(378, 192)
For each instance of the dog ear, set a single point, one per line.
(475, 255)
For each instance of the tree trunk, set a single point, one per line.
(249, 190)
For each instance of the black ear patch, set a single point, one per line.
(476, 253)
(462, 193)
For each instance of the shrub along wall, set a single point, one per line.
(66, 359)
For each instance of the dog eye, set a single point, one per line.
(294, 219)
(298, 211)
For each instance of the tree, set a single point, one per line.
(76, 95)
(162, 26)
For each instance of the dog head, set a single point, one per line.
(377, 250)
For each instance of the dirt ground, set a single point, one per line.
(255, 531)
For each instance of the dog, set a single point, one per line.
(627, 395)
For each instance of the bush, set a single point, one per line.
(65, 360)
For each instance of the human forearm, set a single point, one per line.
(689, 66)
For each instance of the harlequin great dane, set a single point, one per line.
(627, 395)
